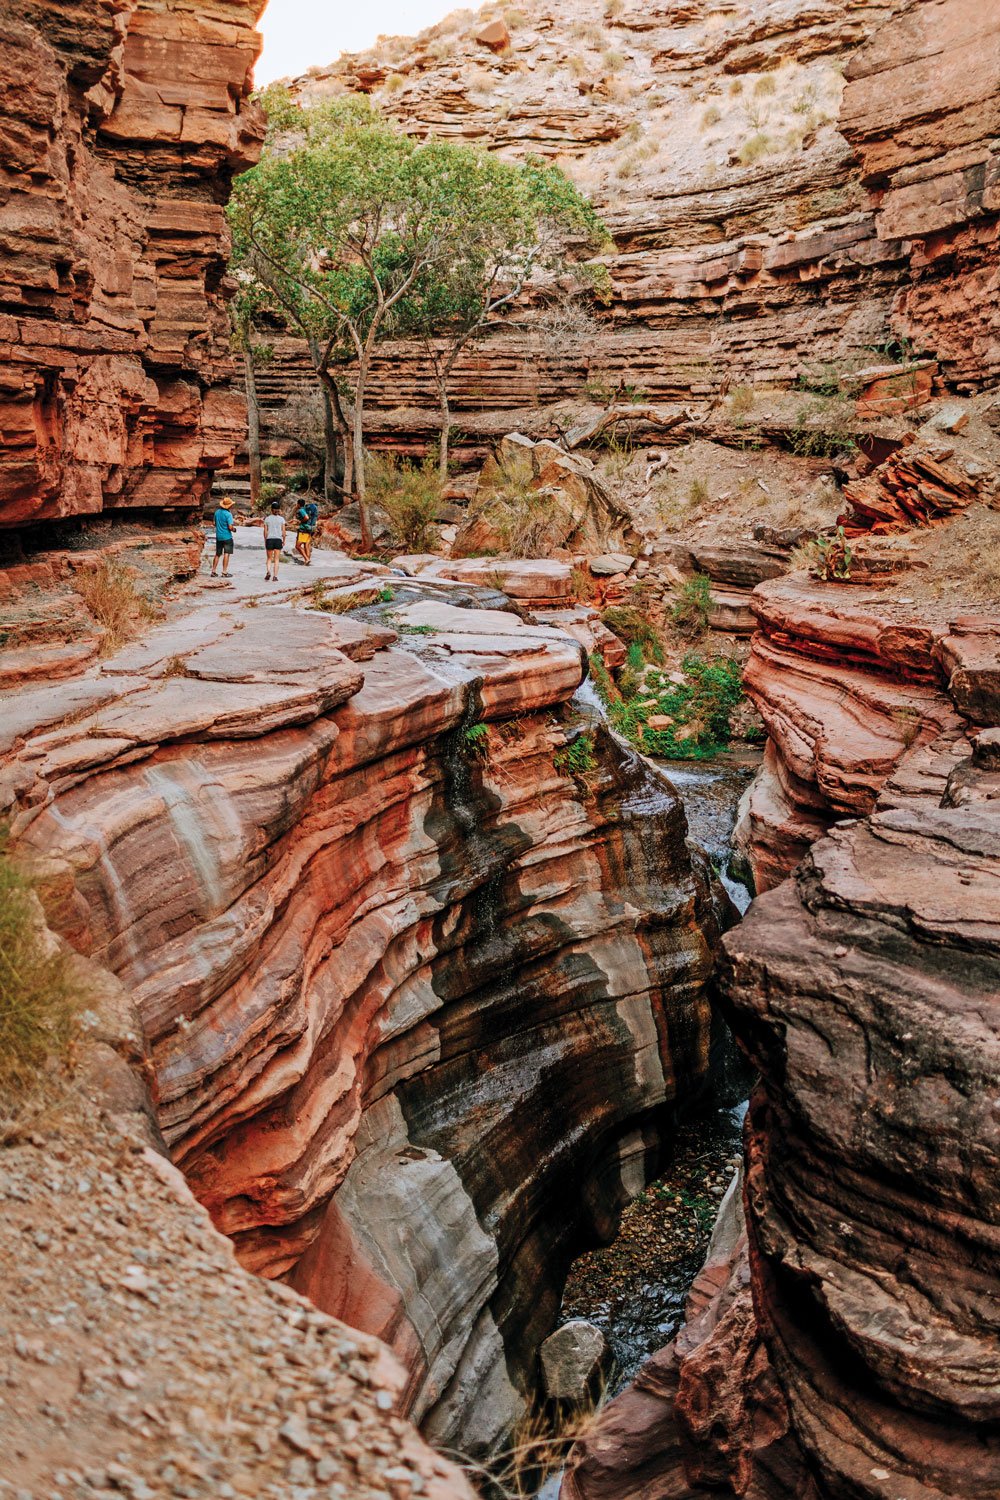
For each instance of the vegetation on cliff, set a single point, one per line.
(353, 233)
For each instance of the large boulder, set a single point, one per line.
(572, 1359)
(535, 498)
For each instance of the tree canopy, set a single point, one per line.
(356, 232)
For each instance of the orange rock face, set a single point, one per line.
(418, 1001)
(871, 215)
(866, 703)
(119, 133)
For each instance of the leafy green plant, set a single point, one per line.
(476, 740)
(699, 709)
(693, 606)
(634, 628)
(577, 758)
(635, 656)
(272, 468)
(831, 556)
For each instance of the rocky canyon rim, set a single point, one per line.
(337, 904)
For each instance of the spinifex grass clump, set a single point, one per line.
(693, 606)
(38, 999)
(110, 593)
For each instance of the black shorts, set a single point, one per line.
(223, 547)
(273, 545)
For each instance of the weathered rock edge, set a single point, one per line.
(387, 950)
(861, 1317)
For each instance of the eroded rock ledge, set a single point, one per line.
(121, 125)
(865, 1360)
(869, 701)
(419, 991)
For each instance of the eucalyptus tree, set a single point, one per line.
(509, 222)
(359, 233)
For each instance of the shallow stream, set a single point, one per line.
(635, 1288)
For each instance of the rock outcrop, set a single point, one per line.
(421, 967)
(769, 221)
(120, 128)
(850, 1348)
(867, 701)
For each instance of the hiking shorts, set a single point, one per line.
(222, 546)
(273, 544)
(303, 536)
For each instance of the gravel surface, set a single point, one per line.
(138, 1359)
(635, 1288)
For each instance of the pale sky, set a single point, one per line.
(299, 34)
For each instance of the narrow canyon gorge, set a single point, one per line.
(383, 949)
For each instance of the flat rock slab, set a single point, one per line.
(521, 578)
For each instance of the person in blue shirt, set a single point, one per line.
(305, 524)
(225, 525)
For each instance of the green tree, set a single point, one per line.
(507, 221)
(358, 233)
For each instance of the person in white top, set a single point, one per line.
(274, 540)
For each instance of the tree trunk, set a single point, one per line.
(445, 430)
(360, 484)
(330, 450)
(253, 428)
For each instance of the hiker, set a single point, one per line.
(274, 540)
(305, 520)
(225, 525)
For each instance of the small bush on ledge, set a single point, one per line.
(39, 1002)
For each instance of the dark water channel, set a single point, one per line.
(635, 1288)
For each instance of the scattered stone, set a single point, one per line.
(609, 563)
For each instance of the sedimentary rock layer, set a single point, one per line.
(864, 991)
(121, 124)
(420, 986)
(768, 221)
(867, 702)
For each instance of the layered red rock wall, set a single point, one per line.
(869, 218)
(121, 125)
(417, 1016)
(861, 1320)
(868, 702)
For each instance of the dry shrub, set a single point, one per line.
(539, 1449)
(408, 495)
(754, 148)
(528, 521)
(111, 595)
(741, 401)
(39, 1001)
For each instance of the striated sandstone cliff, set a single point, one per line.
(868, 701)
(767, 218)
(865, 1362)
(121, 124)
(417, 1002)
